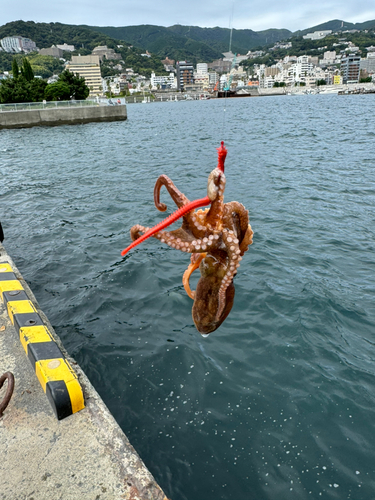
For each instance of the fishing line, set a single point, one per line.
(223, 135)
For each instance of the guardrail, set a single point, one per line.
(26, 106)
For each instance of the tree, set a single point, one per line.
(20, 90)
(36, 89)
(12, 91)
(77, 85)
(58, 91)
(26, 70)
(15, 69)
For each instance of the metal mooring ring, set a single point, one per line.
(4, 403)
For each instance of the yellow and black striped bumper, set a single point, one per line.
(55, 374)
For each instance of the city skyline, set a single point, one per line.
(237, 14)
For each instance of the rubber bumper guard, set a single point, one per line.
(54, 373)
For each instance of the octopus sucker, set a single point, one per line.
(217, 237)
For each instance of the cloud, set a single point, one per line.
(240, 14)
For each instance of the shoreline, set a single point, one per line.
(51, 117)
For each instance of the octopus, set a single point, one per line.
(216, 237)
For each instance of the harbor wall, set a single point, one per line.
(61, 116)
(83, 456)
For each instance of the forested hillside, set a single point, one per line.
(47, 34)
(301, 46)
(192, 42)
(177, 42)
(164, 42)
(337, 25)
(84, 39)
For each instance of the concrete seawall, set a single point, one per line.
(83, 456)
(61, 116)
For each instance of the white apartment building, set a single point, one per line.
(213, 77)
(289, 59)
(267, 82)
(201, 78)
(317, 35)
(329, 57)
(368, 64)
(223, 81)
(163, 81)
(16, 44)
(301, 71)
(66, 47)
(202, 69)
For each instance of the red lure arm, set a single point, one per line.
(203, 202)
(222, 154)
(168, 221)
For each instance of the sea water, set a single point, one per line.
(279, 402)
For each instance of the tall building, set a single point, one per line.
(202, 68)
(88, 67)
(185, 74)
(17, 44)
(368, 64)
(350, 67)
(213, 77)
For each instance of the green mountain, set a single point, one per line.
(83, 38)
(47, 34)
(177, 42)
(242, 40)
(192, 42)
(162, 41)
(337, 25)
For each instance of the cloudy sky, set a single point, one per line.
(238, 14)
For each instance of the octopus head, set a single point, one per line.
(215, 184)
(216, 179)
(206, 299)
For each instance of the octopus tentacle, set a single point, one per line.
(247, 240)
(137, 231)
(198, 224)
(232, 247)
(179, 239)
(235, 208)
(236, 217)
(196, 259)
(179, 198)
(190, 245)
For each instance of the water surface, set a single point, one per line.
(279, 402)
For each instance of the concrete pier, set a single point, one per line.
(61, 116)
(84, 456)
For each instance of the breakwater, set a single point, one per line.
(61, 116)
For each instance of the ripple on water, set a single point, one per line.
(277, 403)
